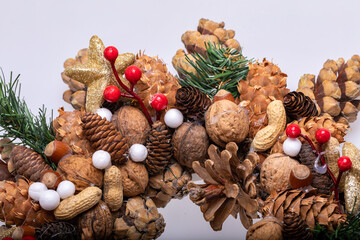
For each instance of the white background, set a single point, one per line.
(36, 37)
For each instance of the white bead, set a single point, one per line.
(65, 189)
(36, 189)
(104, 113)
(173, 118)
(138, 152)
(101, 159)
(49, 200)
(292, 146)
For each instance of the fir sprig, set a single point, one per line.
(18, 123)
(220, 68)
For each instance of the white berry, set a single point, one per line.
(49, 200)
(101, 159)
(104, 113)
(36, 189)
(138, 152)
(292, 147)
(65, 189)
(173, 118)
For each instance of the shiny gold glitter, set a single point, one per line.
(97, 74)
(352, 178)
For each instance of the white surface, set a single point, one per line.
(37, 36)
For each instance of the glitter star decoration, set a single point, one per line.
(97, 74)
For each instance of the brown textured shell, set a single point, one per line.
(96, 223)
(268, 228)
(226, 122)
(190, 143)
(132, 123)
(135, 178)
(79, 170)
(275, 172)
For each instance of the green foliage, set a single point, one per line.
(220, 68)
(18, 123)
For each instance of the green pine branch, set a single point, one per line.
(220, 68)
(18, 123)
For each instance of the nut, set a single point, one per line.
(113, 190)
(266, 137)
(135, 178)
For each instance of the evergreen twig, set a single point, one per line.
(220, 68)
(17, 122)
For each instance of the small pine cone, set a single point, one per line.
(192, 103)
(103, 136)
(159, 147)
(322, 182)
(57, 231)
(28, 163)
(294, 228)
(298, 105)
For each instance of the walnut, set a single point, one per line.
(266, 229)
(79, 170)
(275, 172)
(226, 122)
(132, 124)
(190, 143)
(135, 178)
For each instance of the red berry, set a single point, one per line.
(111, 53)
(293, 131)
(133, 74)
(158, 102)
(7, 238)
(112, 93)
(322, 135)
(28, 238)
(344, 163)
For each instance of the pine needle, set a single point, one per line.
(18, 123)
(221, 68)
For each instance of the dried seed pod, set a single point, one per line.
(226, 122)
(190, 143)
(78, 99)
(132, 124)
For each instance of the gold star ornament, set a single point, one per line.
(97, 74)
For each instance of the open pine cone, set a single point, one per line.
(336, 88)
(313, 208)
(229, 187)
(264, 83)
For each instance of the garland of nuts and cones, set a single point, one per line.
(138, 133)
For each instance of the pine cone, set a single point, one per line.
(294, 228)
(17, 207)
(229, 187)
(155, 79)
(103, 136)
(68, 129)
(311, 207)
(171, 183)
(336, 89)
(264, 83)
(322, 182)
(28, 163)
(298, 105)
(159, 148)
(57, 231)
(192, 103)
(140, 220)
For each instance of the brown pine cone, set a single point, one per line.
(159, 147)
(28, 163)
(57, 231)
(192, 103)
(103, 136)
(322, 182)
(298, 105)
(294, 228)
